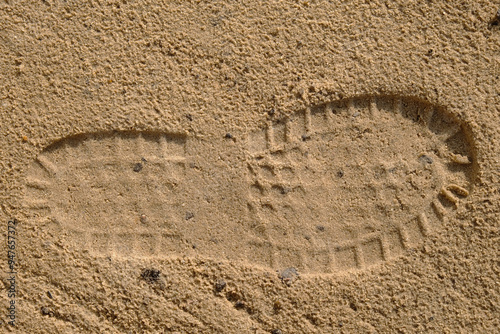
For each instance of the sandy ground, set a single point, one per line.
(250, 167)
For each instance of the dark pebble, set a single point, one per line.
(276, 331)
(150, 275)
(189, 215)
(220, 285)
(137, 167)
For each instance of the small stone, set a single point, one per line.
(340, 173)
(144, 219)
(425, 159)
(320, 228)
(45, 310)
(276, 331)
(151, 275)
(284, 191)
(228, 136)
(288, 275)
(189, 215)
(137, 167)
(220, 285)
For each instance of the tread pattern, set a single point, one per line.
(90, 187)
(330, 188)
(290, 169)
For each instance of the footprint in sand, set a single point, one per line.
(338, 186)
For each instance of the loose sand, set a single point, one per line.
(250, 167)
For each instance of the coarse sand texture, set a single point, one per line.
(253, 167)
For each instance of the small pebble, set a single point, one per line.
(284, 191)
(239, 304)
(228, 136)
(137, 167)
(276, 331)
(288, 275)
(151, 275)
(144, 219)
(425, 159)
(189, 215)
(220, 284)
(46, 311)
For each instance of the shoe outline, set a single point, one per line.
(268, 173)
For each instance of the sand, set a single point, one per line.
(250, 167)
